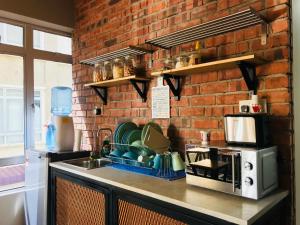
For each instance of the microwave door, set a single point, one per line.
(214, 169)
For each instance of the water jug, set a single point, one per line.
(61, 101)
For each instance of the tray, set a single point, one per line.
(138, 167)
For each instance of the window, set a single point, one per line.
(47, 74)
(11, 34)
(52, 42)
(25, 106)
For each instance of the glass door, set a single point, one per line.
(11, 121)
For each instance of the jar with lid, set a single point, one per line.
(181, 61)
(107, 71)
(97, 73)
(169, 63)
(129, 65)
(118, 68)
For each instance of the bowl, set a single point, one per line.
(130, 155)
(116, 153)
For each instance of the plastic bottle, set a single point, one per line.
(61, 101)
(50, 136)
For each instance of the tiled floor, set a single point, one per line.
(12, 174)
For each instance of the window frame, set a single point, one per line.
(29, 54)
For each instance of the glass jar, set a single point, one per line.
(129, 65)
(181, 61)
(169, 64)
(194, 58)
(97, 73)
(107, 71)
(118, 68)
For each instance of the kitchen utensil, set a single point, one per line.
(205, 137)
(145, 128)
(158, 161)
(177, 162)
(156, 141)
(130, 155)
(77, 140)
(116, 153)
(127, 126)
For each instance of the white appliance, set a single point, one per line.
(247, 172)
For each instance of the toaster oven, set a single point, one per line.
(243, 171)
(247, 129)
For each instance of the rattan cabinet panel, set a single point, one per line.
(131, 214)
(78, 205)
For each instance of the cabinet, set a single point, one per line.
(75, 202)
(78, 200)
(129, 213)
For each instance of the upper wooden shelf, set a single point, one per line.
(114, 82)
(211, 66)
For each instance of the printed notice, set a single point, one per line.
(161, 102)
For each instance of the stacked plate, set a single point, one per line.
(132, 142)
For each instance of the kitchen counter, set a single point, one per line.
(230, 208)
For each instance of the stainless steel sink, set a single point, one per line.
(87, 163)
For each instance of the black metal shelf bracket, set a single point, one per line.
(142, 91)
(101, 92)
(175, 86)
(249, 73)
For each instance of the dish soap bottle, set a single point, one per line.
(50, 136)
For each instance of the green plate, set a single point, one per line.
(127, 126)
(134, 135)
(152, 124)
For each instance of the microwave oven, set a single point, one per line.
(242, 171)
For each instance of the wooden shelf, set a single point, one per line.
(211, 66)
(101, 87)
(247, 65)
(115, 82)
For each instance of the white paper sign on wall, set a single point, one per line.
(161, 102)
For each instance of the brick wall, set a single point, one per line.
(103, 26)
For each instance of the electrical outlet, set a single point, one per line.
(97, 111)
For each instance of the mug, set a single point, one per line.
(205, 135)
(158, 161)
(177, 162)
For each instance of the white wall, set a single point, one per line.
(12, 209)
(296, 78)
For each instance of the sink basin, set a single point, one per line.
(87, 163)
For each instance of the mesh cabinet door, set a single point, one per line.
(131, 214)
(78, 205)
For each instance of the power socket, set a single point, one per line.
(97, 111)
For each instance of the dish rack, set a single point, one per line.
(142, 168)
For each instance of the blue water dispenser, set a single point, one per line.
(61, 101)
(60, 130)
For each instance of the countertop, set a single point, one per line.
(216, 204)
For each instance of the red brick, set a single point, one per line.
(203, 100)
(276, 82)
(210, 88)
(231, 98)
(205, 124)
(280, 25)
(195, 111)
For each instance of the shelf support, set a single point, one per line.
(249, 73)
(142, 91)
(101, 92)
(174, 87)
